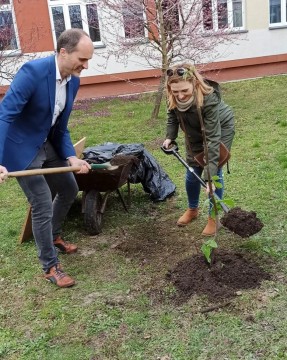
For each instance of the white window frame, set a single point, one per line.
(230, 25)
(65, 5)
(283, 22)
(9, 7)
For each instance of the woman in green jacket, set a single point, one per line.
(188, 94)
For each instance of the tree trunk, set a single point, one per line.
(158, 98)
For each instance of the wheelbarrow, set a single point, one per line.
(96, 187)
(103, 178)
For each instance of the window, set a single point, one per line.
(75, 14)
(222, 14)
(8, 40)
(207, 14)
(170, 10)
(133, 19)
(237, 14)
(278, 12)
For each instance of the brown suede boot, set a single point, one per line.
(186, 218)
(210, 228)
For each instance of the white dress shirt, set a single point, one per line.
(60, 96)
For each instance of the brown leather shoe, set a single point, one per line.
(64, 246)
(58, 277)
(186, 218)
(210, 228)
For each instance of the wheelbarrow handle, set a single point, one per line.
(175, 153)
(59, 170)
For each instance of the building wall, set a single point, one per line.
(33, 25)
(258, 51)
(256, 14)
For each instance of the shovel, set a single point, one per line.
(173, 150)
(59, 170)
(241, 222)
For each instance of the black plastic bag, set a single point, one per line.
(148, 172)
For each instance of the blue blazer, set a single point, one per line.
(26, 113)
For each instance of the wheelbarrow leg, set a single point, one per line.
(122, 200)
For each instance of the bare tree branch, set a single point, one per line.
(158, 33)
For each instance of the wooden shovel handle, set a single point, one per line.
(59, 170)
(56, 170)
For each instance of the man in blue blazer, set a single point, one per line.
(34, 116)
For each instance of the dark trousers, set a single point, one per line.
(50, 197)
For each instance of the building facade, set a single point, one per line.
(29, 28)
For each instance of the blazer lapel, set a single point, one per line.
(69, 98)
(52, 83)
(69, 94)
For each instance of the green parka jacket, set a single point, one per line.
(218, 120)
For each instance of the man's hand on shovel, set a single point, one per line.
(85, 167)
(3, 174)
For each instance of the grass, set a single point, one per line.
(114, 311)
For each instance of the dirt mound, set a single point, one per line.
(241, 222)
(229, 273)
(124, 159)
(118, 160)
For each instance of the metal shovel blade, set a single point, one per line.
(174, 151)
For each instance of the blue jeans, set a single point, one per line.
(50, 197)
(192, 186)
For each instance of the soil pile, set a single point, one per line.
(241, 222)
(119, 160)
(229, 273)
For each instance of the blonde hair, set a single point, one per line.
(191, 75)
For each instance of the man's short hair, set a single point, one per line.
(69, 39)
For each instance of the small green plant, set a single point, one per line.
(228, 202)
(211, 244)
(216, 182)
(207, 249)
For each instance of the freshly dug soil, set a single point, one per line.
(241, 222)
(229, 273)
(118, 160)
(124, 159)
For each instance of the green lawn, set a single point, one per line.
(121, 307)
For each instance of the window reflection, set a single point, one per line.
(58, 19)
(75, 16)
(237, 13)
(207, 14)
(275, 11)
(222, 14)
(93, 22)
(7, 31)
(133, 19)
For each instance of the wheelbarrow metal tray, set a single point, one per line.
(104, 180)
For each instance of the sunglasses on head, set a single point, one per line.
(178, 71)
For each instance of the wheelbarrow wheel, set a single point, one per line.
(93, 216)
